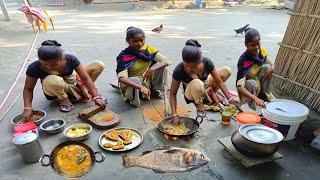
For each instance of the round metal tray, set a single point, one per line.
(108, 124)
(136, 138)
(260, 134)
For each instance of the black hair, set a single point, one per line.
(133, 31)
(50, 51)
(193, 42)
(251, 34)
(191, 51)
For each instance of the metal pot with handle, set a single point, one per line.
(256, 140)
(251, 148)
(28, 146)
(72, 159)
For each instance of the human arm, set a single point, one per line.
(81, 71)
(126, 81)
(242, 90)
(162, 61)
(173, 100)
(217, 78)
(29, 85)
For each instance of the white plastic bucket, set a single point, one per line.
(285, 116)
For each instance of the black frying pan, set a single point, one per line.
(192, 124)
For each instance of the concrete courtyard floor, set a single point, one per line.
(92, 33)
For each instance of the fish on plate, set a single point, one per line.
(167, 160)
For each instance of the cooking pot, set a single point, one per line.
(80, 158)
(250, 148)
(28, 146)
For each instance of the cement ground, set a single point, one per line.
(92, 33)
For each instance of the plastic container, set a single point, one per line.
(285, 116)
(198, 3)
(316, 143)
(248, 118)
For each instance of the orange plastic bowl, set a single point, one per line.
(248, 118)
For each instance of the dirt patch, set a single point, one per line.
(156, 113)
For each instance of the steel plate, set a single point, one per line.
(136, 139)
(260, 134)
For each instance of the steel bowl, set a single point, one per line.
(78, 138)
(253, 149)
(53, 126)
(17, 120)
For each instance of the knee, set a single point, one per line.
(250, 84)
(225, 72)
(266, 67)
(99, 65)
(135, 79)
(53, 81)
(196, 85)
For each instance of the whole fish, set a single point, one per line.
(167, 160)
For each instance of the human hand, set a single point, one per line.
(175, 119)
(268, 74)
(149, 74)
(145, 91)
(259, 102)
(100, 102)
(26, 115)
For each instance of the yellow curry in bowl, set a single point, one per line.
(77, 131)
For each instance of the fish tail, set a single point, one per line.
(127, 161)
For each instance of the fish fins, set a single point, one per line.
(158, 171)
(172, 151)
(145, 152)
(126, 161)
(163, 148)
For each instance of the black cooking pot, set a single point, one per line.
(192, 124)
(253, 149)
(55, 166)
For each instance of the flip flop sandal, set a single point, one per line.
(201, 113)
(64, 108)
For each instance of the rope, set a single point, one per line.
(19, 74)
(5, 113)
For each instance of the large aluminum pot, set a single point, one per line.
(83, 156)
(29, 147)
(250, 148)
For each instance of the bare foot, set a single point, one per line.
(66, 105)
(201, 111)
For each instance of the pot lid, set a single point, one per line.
(24, 138)
(260, 134)
(248, 118)
(287, 108)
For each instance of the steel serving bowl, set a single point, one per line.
(78, 138)
(17, 120)
(53, 126)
